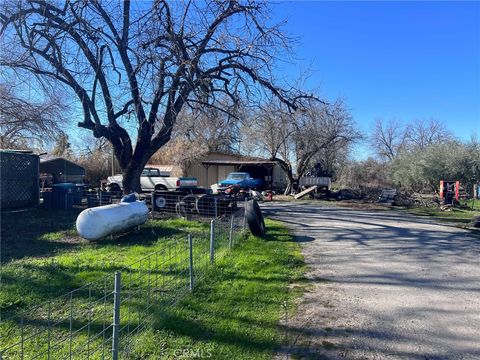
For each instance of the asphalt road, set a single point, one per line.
(385, 285)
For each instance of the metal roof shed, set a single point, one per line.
(63, 170)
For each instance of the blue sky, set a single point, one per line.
(404, 60)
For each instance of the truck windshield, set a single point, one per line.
(236, 176)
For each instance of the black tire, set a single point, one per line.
(476, 222)
(160, 188)
(114, 187)
(205, 205)
(255, 220)
(187, 206)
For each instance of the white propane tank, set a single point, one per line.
(96, 223)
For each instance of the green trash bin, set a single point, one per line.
(62, 196)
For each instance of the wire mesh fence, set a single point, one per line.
(175, 203)
(75, 325)
(190, 205)
(100, 198)
(105, 318)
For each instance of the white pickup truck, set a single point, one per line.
(154, 179)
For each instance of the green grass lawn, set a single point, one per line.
(233, 314)
(473, 204)
(37, 265)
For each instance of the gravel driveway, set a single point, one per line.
(385, 285)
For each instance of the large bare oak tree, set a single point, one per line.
(133, 66)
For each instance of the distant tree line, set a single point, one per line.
(415, 157)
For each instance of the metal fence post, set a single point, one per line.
(152, 201)
(212, 242)
(190, 246)
(22, 338)
(245, 217)
(49, 330)
(116, 315)
(230, 238)
(216, 207)
(71, 325)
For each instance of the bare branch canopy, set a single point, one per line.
(134, 66)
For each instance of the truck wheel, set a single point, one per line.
(160, 202)
(160, 188)
(187, 206)
(255, 220)
(113, 187)
(205, 205)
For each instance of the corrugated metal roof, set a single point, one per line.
(238, 162)
(14, 151)
(60, 165)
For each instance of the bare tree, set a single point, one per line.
(302, 138)
(322, 127)
(388, 138)
(423, 133)
(95, 155)
(25, 121)
(197, 132)
(134, 66)
(269, 132)
(334, 158)
(218, 130)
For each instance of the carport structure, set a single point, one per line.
(214, 166)
(258, 169)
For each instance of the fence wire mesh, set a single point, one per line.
(194, 205)
(75, 325)
(81, 324)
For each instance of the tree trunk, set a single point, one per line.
(290, 180)
(131, 180)
(131, 175)
(288, 169)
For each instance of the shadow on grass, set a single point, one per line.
(276, 233)
(23, 233)
(42, 233)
